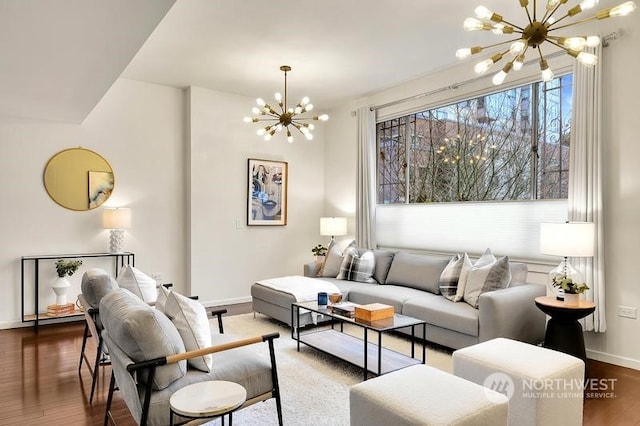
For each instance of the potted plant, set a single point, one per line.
(62, 284)
(320, 252)
(572, 291)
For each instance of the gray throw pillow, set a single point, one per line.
(96, 283)
(484, 278)
(143, 333)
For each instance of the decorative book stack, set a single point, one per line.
(58, 310)
(345, 309)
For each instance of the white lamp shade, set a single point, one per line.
(570, 239)
(333, 226)
(119, 218)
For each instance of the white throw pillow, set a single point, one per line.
(464, 272)
(486, 277)
(161, 301)
(190, 318)
(138, 283)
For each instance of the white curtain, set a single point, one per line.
(366, 179)
(586, 180)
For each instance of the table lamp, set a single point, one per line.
(333, 226)
(569, 239)
(117, 220)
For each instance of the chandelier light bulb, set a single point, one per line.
(323, 117)
(247, 119)
(517, 47)
(473, 24)
(308, 107)
(518, 62)
(267, 137)
(298, 110)
(623, 9)
(261, 132)
(574, 43)
(304, 101)
(588, 4)
(498, 79)
(482, 67)
(588, 59)
(593, 41)
(463, 53)
(260, 102)
(547, 74)
(309, 136)
(278, 97)
(551, 4)
(483, 13)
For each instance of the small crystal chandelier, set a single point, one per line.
(535, 33)
(286, 117)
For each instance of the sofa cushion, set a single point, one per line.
(143, 333)
(333, 260)
(486, 258)
(138, 283)
(190, 318)
(487, 277)
(357, 267)
(416, 271)
(440, 312)
(96, 283)
(388, 294)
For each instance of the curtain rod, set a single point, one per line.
(455, 86)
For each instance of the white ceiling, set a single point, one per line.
(59, 57)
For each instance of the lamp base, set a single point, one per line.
(116, 241)
(564, 269)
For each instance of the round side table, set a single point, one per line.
(207, 399)
(564, 332)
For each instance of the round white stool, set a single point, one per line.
(207, 399)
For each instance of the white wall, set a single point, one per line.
(227, 256)
(137, 127)
(622, 184)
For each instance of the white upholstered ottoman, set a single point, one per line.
(423, 395)
(545, 387)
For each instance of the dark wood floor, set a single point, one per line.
(40, 384)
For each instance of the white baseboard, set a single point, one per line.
(213, 303)
(613, 359)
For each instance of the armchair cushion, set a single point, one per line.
(143, 333)
(190, 318)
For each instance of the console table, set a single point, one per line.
(119, 260)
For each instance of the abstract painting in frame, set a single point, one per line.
(267, 189)
(100, 187)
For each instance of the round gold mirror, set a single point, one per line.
(78, 179)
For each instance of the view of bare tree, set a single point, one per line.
(481, 149)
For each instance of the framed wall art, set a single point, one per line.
(267, 192)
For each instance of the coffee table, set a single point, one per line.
(357, 351)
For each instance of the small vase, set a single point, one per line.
(571, 299)
(60, 287)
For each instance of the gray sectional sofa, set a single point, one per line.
(409, 283)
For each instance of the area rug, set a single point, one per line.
(314, 386)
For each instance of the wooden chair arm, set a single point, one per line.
(204, 351)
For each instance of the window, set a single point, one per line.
(510, 145)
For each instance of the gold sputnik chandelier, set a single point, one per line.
(286, 117)
(535, 33)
